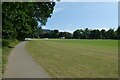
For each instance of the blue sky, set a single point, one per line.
(69, 16)
(89, 0)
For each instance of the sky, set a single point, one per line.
(69, 16)
(89, 0)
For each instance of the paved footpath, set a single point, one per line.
(21, 65)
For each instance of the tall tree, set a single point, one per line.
(110, 34)
(86, 33)
(118, 32)
(76, 34)
(55, 33)
(67, 35)
(20, 18)
(95, 34)
(61, 34)
(103, 34)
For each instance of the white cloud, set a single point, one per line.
(66, 31)
(44, 27)
(115, 28)
(58, 9)
(102, 28)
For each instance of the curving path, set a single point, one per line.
(21, 65)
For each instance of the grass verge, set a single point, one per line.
(6, 51)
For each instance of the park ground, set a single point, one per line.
(4, 54)
(21, 65)
(63, 58)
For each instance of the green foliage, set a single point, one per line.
(67, 35)
(77, 34)
(96, 34)
(20, 19)
(6, 44)
(110, 33)
(55, 34)
(118, 32)
(103, 34)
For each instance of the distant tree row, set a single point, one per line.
(80, 34)
(97, 34)
(46, 33)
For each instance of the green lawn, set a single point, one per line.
(76, 58)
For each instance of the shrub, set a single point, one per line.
(6, 42)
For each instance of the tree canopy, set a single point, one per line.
(20, 19)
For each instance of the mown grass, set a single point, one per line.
(76, 58)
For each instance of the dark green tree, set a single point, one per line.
(110, 34)
(95, 34)
(61, 34)
(103, 34)
(67, 35)
(20, 19)
(86, 33)
(55, 33)
(76, 34)
(118, 32)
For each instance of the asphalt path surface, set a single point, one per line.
(21, 64)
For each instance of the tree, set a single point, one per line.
(118, 32)
(61, 34)
(20, 19)
(38, 32)
(67, 35)
(76, 34)
(86, 33)
(103, 34)
(110, 34)
(95, 34)
(55, 33)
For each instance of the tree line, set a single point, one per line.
(46, 33)
(97, 34)
(80, 34)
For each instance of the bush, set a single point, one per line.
(13, 42)
(6, 43)
(6, 50)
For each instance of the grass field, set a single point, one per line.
(76, 58)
